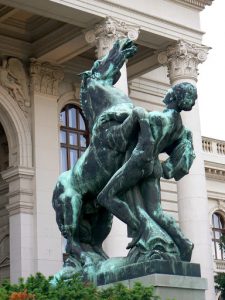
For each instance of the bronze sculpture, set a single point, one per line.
(119, 174)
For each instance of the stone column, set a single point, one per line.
(182, 60)
(21, 232)
(45, 80)
(103, 37)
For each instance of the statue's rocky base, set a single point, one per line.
(172, 286)
(120, 272)
(120, 268)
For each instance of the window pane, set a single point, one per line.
(215, 221)
(81, 123)
(72, 118)
(218, 251)
(73, 157)
(63, 160)
(72, 138)
(213, 250)
(63, 137)
(220, 223)
(83, 141)
(217, 234)
(63, 118)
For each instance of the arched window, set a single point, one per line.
(74, 135)
(218, 229)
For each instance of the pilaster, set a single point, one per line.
(45, 79)
(182, 60)
(20, 208)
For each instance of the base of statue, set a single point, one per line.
(171, 286)
(121, 272)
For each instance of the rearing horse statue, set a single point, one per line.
(112, 120)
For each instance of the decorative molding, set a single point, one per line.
(215, 196)
(14, 79)
(215, 173)
(182, 60)
(45, 78)
(20, 193)
(107, 32)
(17, 172)
(20, 207)
(200, 4)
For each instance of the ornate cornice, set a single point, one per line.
(201, 4)
(45, 78)
(107, 32)
(215, 173)
(182, 60)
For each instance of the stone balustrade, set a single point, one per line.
(220, 265)
(216, 147)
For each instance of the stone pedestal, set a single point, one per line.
(174, 286)
(171, 286)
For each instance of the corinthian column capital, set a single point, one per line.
(182, 60)
(107, 32)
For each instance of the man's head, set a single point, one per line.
(182, 96)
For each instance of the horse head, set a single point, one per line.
(104, 73)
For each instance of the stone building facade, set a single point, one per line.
(44, 46)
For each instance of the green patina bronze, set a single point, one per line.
(119, 174)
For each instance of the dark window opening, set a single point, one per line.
(74, 135)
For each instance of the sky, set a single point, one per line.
(211, 81)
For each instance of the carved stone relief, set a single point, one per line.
(14, 79)
(45, 78)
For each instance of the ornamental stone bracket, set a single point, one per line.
(107, 32)
(20, 195)
(182, 60)
(45, 77)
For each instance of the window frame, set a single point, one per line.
(218, 254)
(76, 130)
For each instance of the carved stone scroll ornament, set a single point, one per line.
(182, 60)
(14, 79)
(107, 32)
(45, 77)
